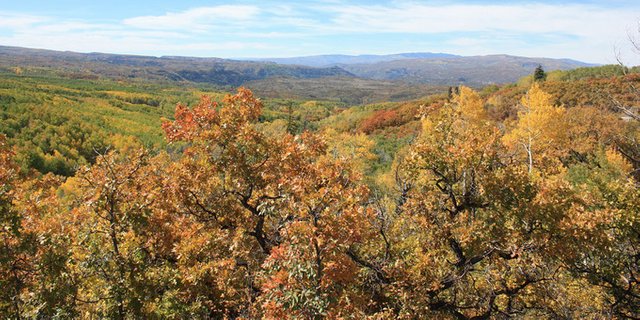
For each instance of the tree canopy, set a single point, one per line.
(477, 217)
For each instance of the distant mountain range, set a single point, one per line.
(410, 68)
(189, 69)
(435, 68)
(332, 60)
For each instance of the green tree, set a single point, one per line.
(539, 74)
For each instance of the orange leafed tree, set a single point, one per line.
(276, 204)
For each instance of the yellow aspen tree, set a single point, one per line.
(539, 129)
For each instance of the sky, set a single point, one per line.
(590, 31)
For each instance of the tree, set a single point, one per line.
(470, 264)
(112, 220)
(540, 129)
(33, 252)
(271, 208)
(539, 75)
(479, 237)
(14, 267)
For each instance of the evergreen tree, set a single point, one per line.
(539, 74)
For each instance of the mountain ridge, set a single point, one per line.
(437, 68)
(325, 60)
(424, 68)
(213, 70)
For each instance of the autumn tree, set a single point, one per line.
(273, 204)
(14, 250)
(476, 237)
(231, 180)
(602, 248)
(117, 257)
(471, 265)
(539, 130)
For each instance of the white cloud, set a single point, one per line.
(182, 33)
(196, 19)
(582, 31)
(130, 43)
(16, 21)
(420, 18)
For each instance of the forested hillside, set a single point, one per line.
(405, 71)
(216, 71)
(470, 71)
(135, 200)
(58, 124)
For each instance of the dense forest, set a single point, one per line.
(133, 200)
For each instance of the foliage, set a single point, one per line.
(606, 71)
(540, 129)
(494, 205)
(59, 125)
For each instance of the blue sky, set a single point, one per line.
(585, 30)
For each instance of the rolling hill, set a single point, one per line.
(436, 68)
(349, 90)
(200, 70)
(341, 59)
(472, 71)
(350, 79)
